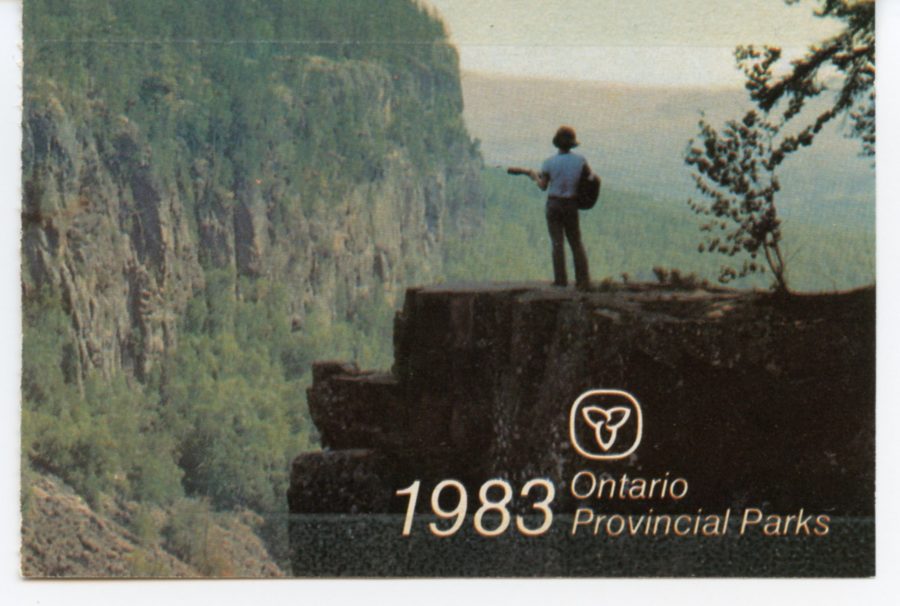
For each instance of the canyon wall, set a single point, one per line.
(333, 171)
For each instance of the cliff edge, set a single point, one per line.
(755, 400)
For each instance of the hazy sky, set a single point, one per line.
(667, 42)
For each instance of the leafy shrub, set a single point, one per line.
(194, 538)
(98, 435)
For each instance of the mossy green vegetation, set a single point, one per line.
(244, 81)
(221, 419)
(296, 102)
(99, 434)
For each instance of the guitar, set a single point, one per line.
(588, 185)
(513, 170)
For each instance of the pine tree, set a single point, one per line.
(852, 55)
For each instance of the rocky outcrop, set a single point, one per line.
(125, 227)
(64, 537)
(103, 231)
(754, 400)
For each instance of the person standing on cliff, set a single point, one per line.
(561, 173)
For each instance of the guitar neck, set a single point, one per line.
(513, 170)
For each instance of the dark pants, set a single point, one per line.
(562, 218)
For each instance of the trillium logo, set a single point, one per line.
(605, 424)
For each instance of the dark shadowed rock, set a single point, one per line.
(755, 400)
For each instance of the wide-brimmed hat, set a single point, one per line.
(565, 138)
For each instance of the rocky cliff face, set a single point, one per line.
(126, 239)
(756, 401)
(213, 192)
(102, 229)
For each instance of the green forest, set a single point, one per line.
(213, 427)
(254, 90)
(212, 79)
(218, 423)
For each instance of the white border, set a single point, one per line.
(882, 590)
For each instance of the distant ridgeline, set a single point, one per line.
(217, 193)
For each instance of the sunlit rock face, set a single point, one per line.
(125, 229)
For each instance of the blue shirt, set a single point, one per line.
(564, 171)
